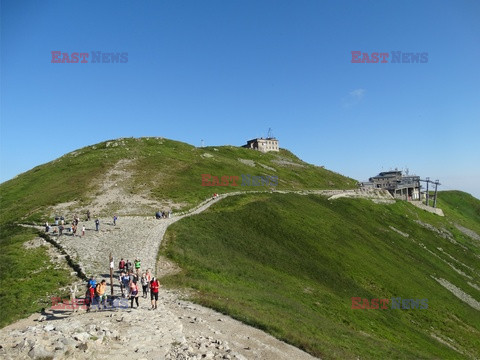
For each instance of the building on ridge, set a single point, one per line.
(263, 145)
(400, 186)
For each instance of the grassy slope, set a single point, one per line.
(291, 264)
(28, 278)
(460, 207)
(164, 168)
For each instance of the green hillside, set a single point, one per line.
(291, 265)
(159, 169)
(286, 263)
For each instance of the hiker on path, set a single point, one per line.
(88, 215)
(97, 224)
(89, 296)
(102, 296)
(133, 293)
(128, 265)
(120, 280)
(125, 283)
(154, 287)
(83, 230)
(115, 220)
(92, 282)
(137, 266)
(144, 282)
(133, 277)
(121, 265)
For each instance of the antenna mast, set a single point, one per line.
(270, 133)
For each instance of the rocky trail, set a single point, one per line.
(178, 329)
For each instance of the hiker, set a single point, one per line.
(89, 296)
(157, 215)
(144, 282)
(102, 296)
(60, 230)
(121, 265)
(115, 220)
(92, 282)
(83, 230)
(97, 224)
(149, 276)
(133, 277)
(120, 280)
(137, 266)
(125, 283)
(154, 287)
(133, 293)
(74, 229)
(128, 265)
(47, 227)
(88, 215)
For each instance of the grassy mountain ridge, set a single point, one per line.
(161, 169)
(291, 264)
(286, 263)
(155, 168)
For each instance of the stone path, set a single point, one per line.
(176, 330)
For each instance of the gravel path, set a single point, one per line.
(178, 329)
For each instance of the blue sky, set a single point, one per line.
(226, 71)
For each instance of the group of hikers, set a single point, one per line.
(128, 279)
(163, 215)
(60, 225)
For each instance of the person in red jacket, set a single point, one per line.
(89, 296)
(154, 287)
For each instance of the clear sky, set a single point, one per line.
(226, 71)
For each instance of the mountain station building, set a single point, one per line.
(400, 186)
(263, 145)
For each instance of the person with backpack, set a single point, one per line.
(133, 293)
(101, 293)
(154, 287)
(97, 224)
